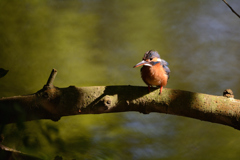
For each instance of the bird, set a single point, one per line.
(155, 71)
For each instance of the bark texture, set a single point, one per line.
(52, 103)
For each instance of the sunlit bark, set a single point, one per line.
(53, 103)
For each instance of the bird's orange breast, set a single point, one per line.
(154, 75)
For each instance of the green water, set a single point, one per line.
(97, 42)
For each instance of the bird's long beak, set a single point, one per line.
(142, 63)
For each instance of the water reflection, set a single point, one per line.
(96, 42)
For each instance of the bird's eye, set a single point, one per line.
(150, 59)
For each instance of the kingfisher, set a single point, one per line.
(155, 71)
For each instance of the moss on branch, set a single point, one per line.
(53, 103)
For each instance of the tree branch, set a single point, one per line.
(9, 153)
(53, 103)
(51, 78)
(231, 8)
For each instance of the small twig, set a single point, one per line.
(51, 78)
(231, 8)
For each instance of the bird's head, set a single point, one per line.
(150, 58)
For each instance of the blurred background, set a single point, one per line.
(97, 42)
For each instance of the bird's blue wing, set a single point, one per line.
(165, 67)
(164, 63)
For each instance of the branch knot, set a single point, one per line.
(228, 93)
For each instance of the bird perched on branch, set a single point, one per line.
(155, 71)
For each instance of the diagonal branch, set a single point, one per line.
(231, 8)
(53, 103)
(51, 78)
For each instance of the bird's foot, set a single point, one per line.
(161, 87)
(149, 88)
